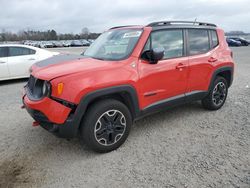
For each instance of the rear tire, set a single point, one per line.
(217, 94)
(106, 125)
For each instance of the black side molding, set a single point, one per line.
(172, 102)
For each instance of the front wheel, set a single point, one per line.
(106, 125)
(217, 95)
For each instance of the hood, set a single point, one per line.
(62, 65)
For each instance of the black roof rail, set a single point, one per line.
(116, 27)
(167, 23)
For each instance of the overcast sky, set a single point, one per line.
(66, 16)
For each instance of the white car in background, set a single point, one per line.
(16, 60)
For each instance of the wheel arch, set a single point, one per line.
(225, 72)
(124, 93)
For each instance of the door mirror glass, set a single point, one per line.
(154, 55)
(157, 54)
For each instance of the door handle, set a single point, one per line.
(180, 66)
(30, 59)
(2, 62)
(212, 59)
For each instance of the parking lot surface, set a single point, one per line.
(183, 147)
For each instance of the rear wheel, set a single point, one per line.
(106, 125)
(217, 94)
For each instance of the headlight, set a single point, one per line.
(46, 88)
(37, 89)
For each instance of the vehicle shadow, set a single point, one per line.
(173, 113)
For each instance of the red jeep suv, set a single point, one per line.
(127, 73)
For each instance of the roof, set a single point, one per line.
(172, 24)
(168, 23)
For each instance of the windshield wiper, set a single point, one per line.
(98, 58)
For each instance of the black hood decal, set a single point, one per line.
(58, 59)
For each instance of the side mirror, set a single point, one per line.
(156, 55)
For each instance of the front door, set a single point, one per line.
(167, 79)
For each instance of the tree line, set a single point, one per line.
(45, 35)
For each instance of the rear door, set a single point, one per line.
(20, 60)
(4, 70)
(201, 59)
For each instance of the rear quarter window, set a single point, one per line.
(214, 38)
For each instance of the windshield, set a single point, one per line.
(114, 44)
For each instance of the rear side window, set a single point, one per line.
(170, 40)
(198, 41)
(19, 51)
(3, 52)
(214, 37)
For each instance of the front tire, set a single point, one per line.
(217, 94)
(106, 125)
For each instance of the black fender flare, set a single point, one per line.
(219, 70)
(90, 97)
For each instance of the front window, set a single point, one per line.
(170, 40)
(114, 44)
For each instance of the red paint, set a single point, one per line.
(55, 111)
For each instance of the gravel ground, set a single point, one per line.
(182, 147)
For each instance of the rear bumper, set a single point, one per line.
(52, 116)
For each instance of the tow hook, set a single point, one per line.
(35, 124)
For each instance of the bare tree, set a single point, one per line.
(85, 31)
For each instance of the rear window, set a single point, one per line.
(19, 51)
(214, 37)
(3, 52)
(198, 41)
